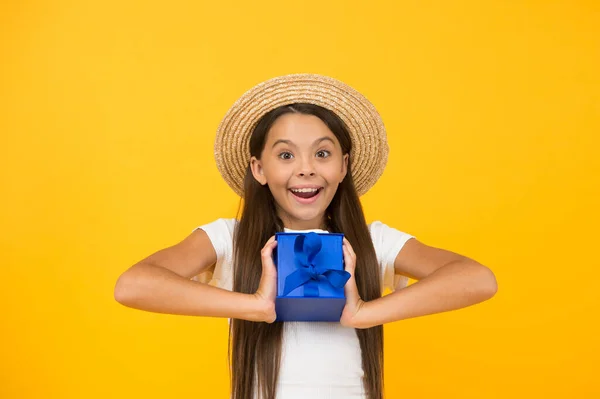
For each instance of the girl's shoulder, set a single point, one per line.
(219, 227)
(220, 233)
(377, 229)
(387, 240)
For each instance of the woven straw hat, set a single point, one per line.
(369, 143)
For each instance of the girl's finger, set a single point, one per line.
(270, 243)
(351, 253)
(267, 252)
(350, 263)
(347, 244)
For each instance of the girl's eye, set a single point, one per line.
(323, 154)
(286, 155)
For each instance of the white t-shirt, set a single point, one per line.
(319, 359)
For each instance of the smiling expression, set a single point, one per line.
(302, 164)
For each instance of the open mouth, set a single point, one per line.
(306, 195)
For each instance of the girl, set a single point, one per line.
(300, 150)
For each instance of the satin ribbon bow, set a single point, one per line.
(306, 248)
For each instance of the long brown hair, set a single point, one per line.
(255, 348)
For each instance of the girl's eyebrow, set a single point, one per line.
(289, 142)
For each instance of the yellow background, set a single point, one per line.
(108, 113)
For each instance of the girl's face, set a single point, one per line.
(302, 163)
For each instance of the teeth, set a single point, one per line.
(304, 190)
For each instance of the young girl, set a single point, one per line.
(300, 150)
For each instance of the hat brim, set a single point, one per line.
(369, 142)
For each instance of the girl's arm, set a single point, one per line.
(161, 283)
(446, 281)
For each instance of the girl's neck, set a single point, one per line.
(305, 225)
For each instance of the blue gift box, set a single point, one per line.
(310, 276)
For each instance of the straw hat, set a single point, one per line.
(369, 143)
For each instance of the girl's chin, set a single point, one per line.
(293, 216)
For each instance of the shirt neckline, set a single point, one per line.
(286, 230)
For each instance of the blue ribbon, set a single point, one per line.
(306, 248)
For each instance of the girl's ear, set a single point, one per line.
(257, 171)
(344, 166)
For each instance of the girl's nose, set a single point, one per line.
(306, 168)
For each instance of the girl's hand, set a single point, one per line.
(267, 288)
(353, 301)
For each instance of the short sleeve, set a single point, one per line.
(220, 233)
(388, 242)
